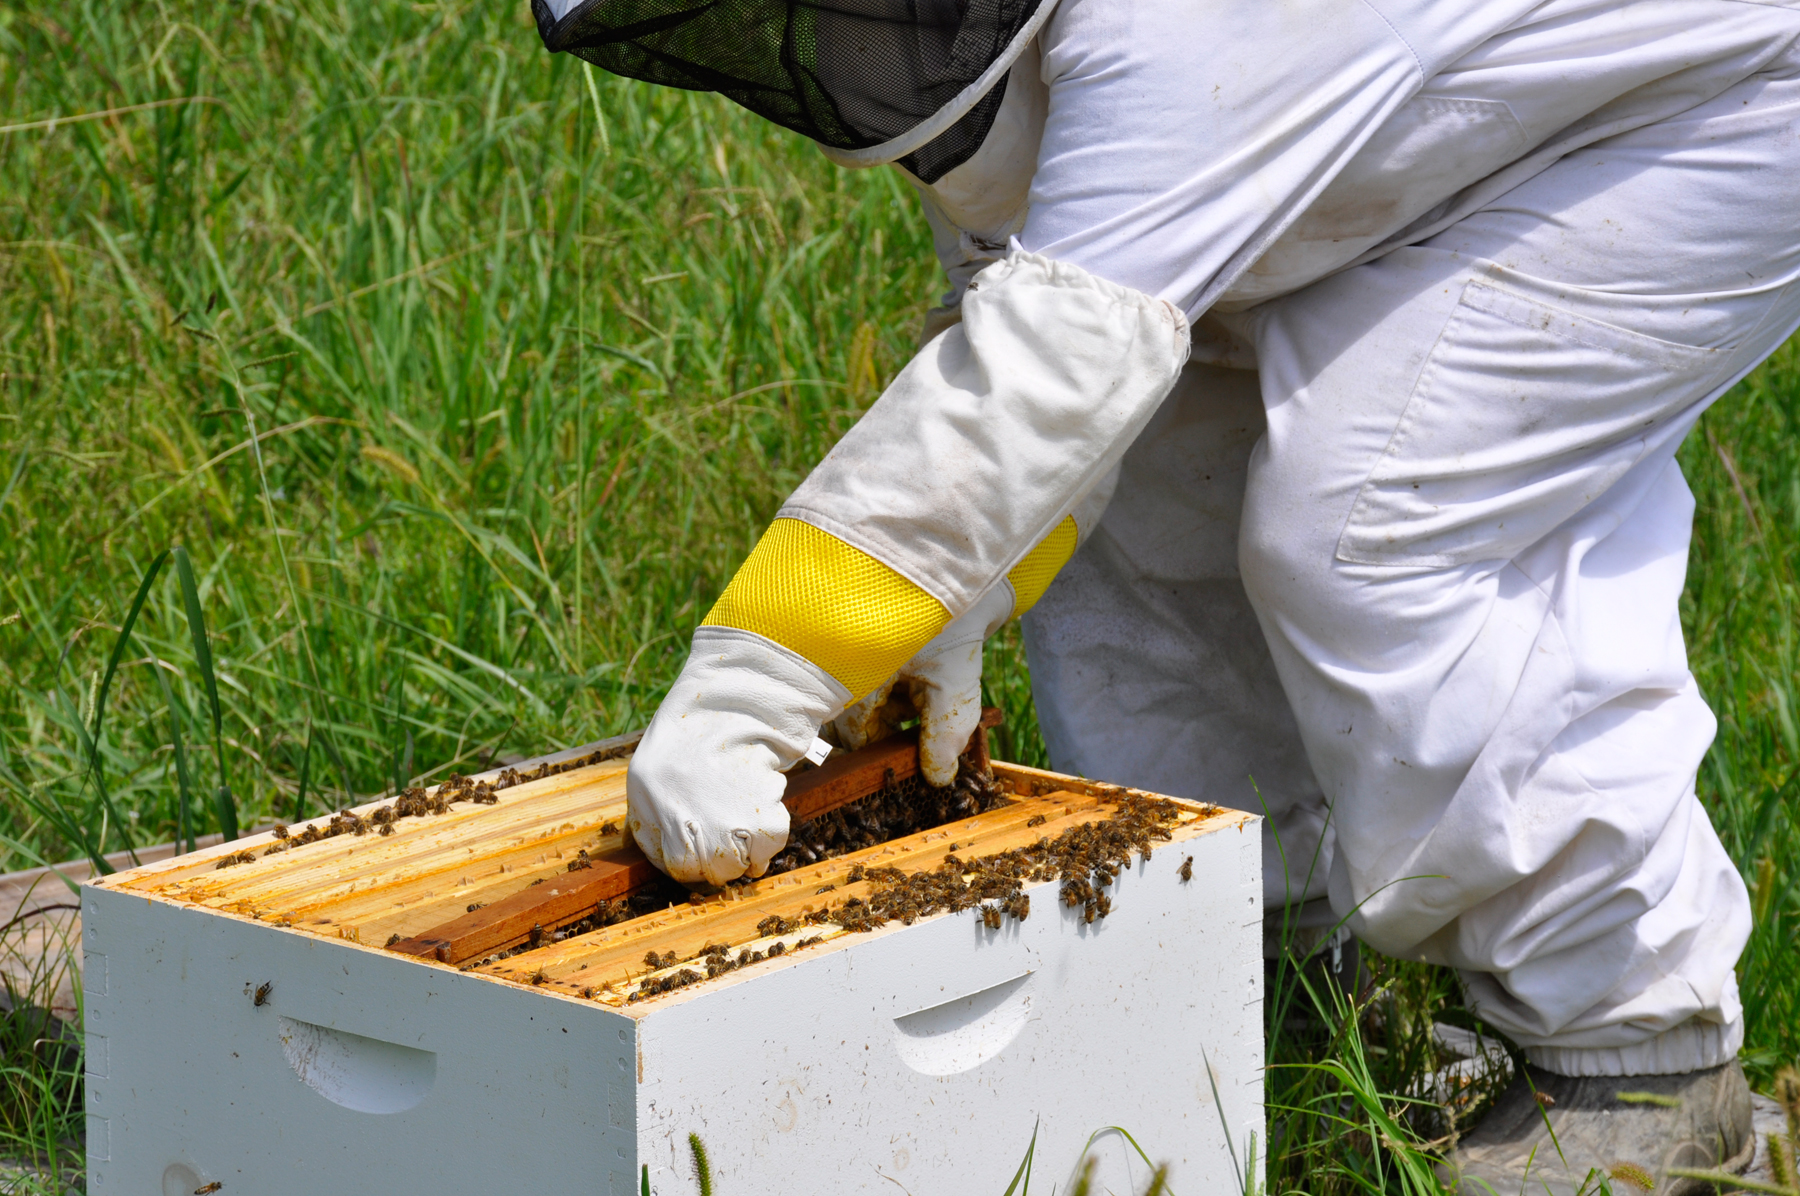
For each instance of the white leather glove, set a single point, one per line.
(703, 794)
(944, 682)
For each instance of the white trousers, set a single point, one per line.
(1416, 579)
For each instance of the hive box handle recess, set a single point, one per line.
(363, 1074)
(179, 1179)
(963, 1034)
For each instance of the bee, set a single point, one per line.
(1545, 1100)
(537, 936)
(262, 994)
(204, 1189)
(1036, 820)
(1186, 871)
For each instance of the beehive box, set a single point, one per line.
(249, 1026)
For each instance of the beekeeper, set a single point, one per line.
(1351, 341)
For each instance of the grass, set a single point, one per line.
(454, 387)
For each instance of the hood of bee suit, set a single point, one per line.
(910, 81)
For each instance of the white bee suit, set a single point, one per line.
(1418, 574)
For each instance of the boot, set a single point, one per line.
(1627, 1129)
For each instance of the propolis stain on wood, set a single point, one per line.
(484, 992)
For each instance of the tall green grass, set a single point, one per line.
(462, 407)
(462, 381)
(1742, 615)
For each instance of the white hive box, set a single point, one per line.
(914, 1058)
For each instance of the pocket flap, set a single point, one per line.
(1523, 414)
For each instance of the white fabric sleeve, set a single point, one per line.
(998, 427)
(1180, 142)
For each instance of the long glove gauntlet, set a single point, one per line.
(942, 683)
(977, 454)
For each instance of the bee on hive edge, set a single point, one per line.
(262, 994)
(1186, 871)
(214, 1186)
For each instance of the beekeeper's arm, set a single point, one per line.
(978, 453)
(1172, 152)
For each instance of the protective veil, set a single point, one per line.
(871, 81)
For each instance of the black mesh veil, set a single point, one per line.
(850, 74)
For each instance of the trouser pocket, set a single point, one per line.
(1522, 415)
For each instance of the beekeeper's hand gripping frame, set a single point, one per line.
(944, 511)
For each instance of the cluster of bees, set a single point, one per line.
(656, 986)
(511, 776)
(896, 810)
(1086, 858)
(716, 958)
(418, 802)
(775, 924)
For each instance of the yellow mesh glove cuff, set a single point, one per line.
(835, 605)
(1033, 575)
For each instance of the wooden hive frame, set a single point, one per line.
(456, 888)
(284, 1023)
